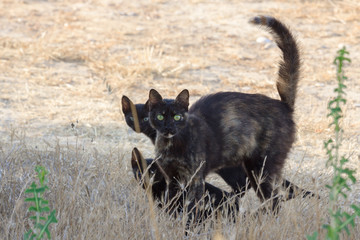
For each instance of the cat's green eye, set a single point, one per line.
(146, 119)
(131, 119)
(177, 117)
(160, 117)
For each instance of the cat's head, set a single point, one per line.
(156, 178)
(143, 116)
(168, 117)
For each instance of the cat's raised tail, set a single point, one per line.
(289, 70)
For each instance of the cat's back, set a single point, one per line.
(242, 113)
(246, 123)
(251, 104)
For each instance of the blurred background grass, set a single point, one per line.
(64, 65)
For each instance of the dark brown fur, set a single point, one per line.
(288, 75)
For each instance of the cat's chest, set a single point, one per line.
(172, 156)
(175, 165)
(172, 148)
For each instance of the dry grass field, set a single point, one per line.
(64, 66)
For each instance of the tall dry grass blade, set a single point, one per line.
(148, 193)
(135, 116)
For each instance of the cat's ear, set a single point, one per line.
(136, 159)
(126, 103)
(154, 98)
(183, 98)
(147, 106)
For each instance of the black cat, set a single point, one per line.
(214, 199)
(229, 129)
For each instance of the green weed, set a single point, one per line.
(339, 220)
(40, 223)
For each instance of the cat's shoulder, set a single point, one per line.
(193, 119)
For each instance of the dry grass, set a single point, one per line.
(64, 62)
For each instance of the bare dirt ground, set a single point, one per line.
(64, 66)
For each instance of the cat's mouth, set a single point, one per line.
(168, 134)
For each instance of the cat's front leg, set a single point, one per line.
(194, 201)
(197, 166)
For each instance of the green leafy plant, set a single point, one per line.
(40, 223)
(339, 220)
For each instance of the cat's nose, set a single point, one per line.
(169, 131)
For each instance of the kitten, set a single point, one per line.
(214, 200)
(229, 129)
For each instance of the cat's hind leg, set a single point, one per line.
(263, 182)
(293, 191)
(235, 177)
